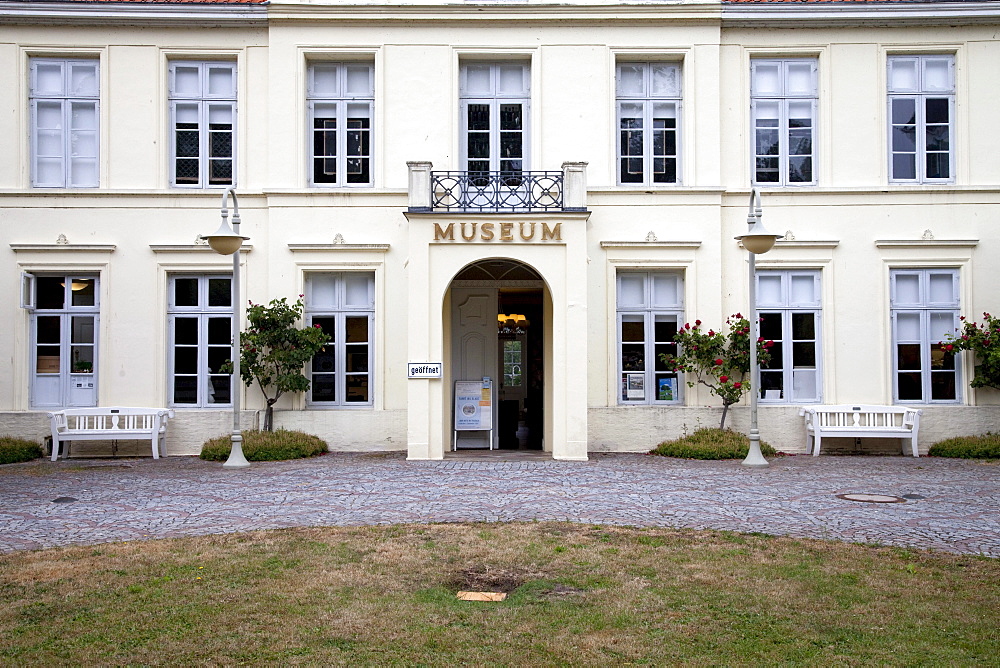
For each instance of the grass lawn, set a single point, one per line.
(581, 595)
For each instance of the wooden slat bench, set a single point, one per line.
(860, 421)
(111, 423)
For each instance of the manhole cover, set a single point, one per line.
(64, 499)
(871, 498)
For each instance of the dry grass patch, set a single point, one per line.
(578, 595)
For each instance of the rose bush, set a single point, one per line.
(719, 361)
(982, 339)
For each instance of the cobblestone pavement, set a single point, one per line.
(952, 506)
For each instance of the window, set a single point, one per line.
(343, 304)
(494, 99)
(924, 309)
(201, 333)
(203, 116)
(783, 107)
(341, 97)
(650, 306)
(64, 123)
(64, 325)
(649, 101)
(921, 109)
(789, 310)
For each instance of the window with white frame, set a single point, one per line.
(341, 101)
(783, 98)
(65, 319)
(200, 321)
(203, 122)
(921, 113)
(650, 306)
(343, 304)
(925, 306)
(649, 103)
(64, 97)
(789, 310)
(494, 107)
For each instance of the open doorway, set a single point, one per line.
(498, 333)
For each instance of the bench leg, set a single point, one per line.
(816, 440)
(55, 448)
(913, 447)
(156, 446)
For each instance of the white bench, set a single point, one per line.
(110, 424)
(859, 421)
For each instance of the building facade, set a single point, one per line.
(415, 171)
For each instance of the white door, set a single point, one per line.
(474, 347)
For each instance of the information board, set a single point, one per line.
(473, 405)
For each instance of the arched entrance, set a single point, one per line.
(497, 331)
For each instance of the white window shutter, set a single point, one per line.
(27, 290)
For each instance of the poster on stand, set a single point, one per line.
(636, 386)
(667, 390)
(473, 405)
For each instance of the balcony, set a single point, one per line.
(497, 192)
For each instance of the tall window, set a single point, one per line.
(649, 101)
(203, 116)
(783, 107)
(343, 304)
(64, 122)
(650, 306)
(64, 324)
(925, 305)
(921, 109)
(494, 99)
(789, 309)
(341, 98)
(200, 312)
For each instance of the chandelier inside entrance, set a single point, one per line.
(512, 325)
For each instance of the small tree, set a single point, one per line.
(273, 350)
(719, 361)
(983, 339)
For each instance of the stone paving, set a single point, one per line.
(954, 505)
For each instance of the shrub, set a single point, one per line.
(986, 446)
(14, 450)
(710, 444)
(266, 446)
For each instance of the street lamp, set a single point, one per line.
(227, 241)
(756, 241)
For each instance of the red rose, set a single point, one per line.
(718, 361)
(737, 385)
(724, 379)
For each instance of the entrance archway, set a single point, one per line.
(497, 331)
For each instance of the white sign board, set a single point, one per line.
(473, 405)
(424, 369)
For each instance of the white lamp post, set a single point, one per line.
(756, 241)
(227, 241)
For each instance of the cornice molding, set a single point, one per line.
(307, 248)
(926, 243)
(63, 248)
(133, 13)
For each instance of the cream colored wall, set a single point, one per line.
(836, 224)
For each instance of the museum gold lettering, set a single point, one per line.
(503, 232)
(446, 233)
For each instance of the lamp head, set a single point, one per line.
(758, 240)
(224, 241)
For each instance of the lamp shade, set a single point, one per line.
(224, 241)
(758, 240)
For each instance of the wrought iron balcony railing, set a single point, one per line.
(497, 192)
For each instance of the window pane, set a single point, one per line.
(185, 291)
(83, 79)
(324, 81)
(187, 81)
(220, 81)
(357, 389)
(803, 326)
(511, 80)
(804, 354)
(631, 290)
(322, 290)
(904, 166)
(219, 390)
(324, 387)
(803, 289)
(907, 289)
(770, 326)
(48, 79)
(220, 332)
(220, 292)
(908, 356)
(359, 81)
(908, 327)
(943, 386)
(666, 290)
(633, 328)
(769, 290)
(357, 290)
(937, 75)
(800, 79)
(942, 289)
(186, 359)
(356, 329)
(477, 80)
(50, 292)
(902, 74)
(186, 331)
(804, 385)
(185, 389)
(630, 79)
(767, 79)
(665, 81)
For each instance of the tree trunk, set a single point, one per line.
(725, 410)
(269, 416)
